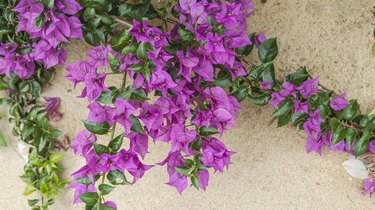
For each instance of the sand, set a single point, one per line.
(271, 169)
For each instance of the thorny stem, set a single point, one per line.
(123, 85)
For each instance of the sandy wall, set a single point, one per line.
(270, 170)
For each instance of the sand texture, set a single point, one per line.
(271, 169)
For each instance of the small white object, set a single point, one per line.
(23, 149)
(355, 168)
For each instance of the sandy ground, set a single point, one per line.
(270, 170)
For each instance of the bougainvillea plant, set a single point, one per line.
(32, 35)
(184, 67)
(188, 74)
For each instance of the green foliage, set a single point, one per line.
(27, 115)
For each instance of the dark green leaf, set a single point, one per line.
(259, 101)
(197, 144)
(185, 35)
(284, 119)
(137, 67)
(188, 162)
(138, 95)
(182, 169)
(116, 143)
(240, 94)
(106, 189)
(208, 131)
(297, 78)
(32, 202)
(350, 136)
(195, 181)
(268, 50)
(350, 112)
(141, 51)
(88, 14)
(298, 118)
(362, 145)
(99, 148)
(338, 131)
(85, 181)
(116, 177)
(246, 50)
(137, 11)
(113, 62)
(97, 128)
(90, 198)
(137, 126)
(285, 106)
(258, 71)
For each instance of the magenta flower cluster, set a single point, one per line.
(184, 107)
(317, 139)
(50, 27)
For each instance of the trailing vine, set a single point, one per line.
(31, 45)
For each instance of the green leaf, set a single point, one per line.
(298, 118)
(32, 202)
(182, 169)
(114, 63)
(55, 133)
(373, 49)
(208, 131)
(138, 95)
(90, 198)
(29, 189)
(246, 50)
(116, 177)
(195, 181)
(338, 131)
(351, 134)
(36, 89)
(97, 4)
(56, 157)
(88, 14)
(106, 208)
(269, 73)
(350, 112)
(362, 145)
(99, 148)
(257, 72)
(137, 11)
(297, 78)
(268, 50)
(97, 128)
(259, 101)
(188, 162)
(137, 126)
(106, 189)
(116, 143)
(138, 67)
(224, 79)
(285, 106)
(141, 51)
(372, 113)
(185, 35)
(284, 119)
(29, 177)
(3, 143)
(197, 144)
(84, 180)
(240, 94)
